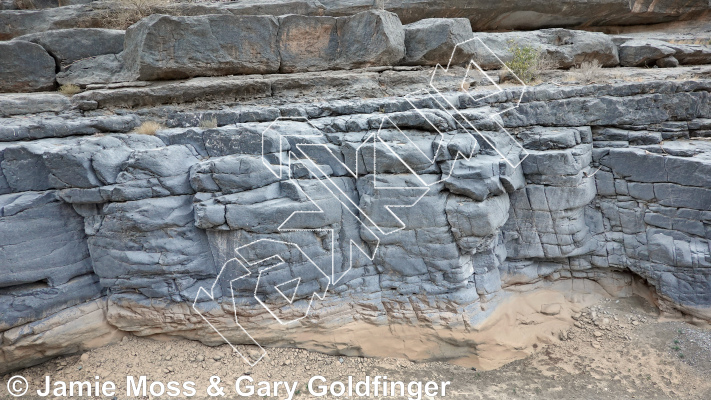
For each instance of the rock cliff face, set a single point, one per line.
(295, 207)
(120, 231)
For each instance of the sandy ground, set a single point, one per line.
(618, 349)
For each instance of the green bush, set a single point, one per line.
(525, 61)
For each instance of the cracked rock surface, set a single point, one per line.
(105, 231)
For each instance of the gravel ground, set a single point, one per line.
(617, 349)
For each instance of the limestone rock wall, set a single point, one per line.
(483, 14)
(650, 212)
(164, 47)
(123, 229)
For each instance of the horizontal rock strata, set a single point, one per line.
(483, 14)
(164, 47)
(612, 187)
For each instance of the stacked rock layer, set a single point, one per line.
(105, 232)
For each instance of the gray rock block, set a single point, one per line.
(160, 162)
(278, 7)
(242, 140)
(477, 178)
(669, 194)
(620, 108)
(403, 190)
(539, 138)
(394, 155)
(70, 45)
(24, 169)
(483, 16)
(694, 171)
(41, 239)
(223, 117)
(22, 22)
(639, 53)
(558, 162)
(488, 283)
(431, 41)
(476, 218)
(566, 48)
(676, 249)
(28, 303)
(107, 68)
(55, 127)
(25, 67)
(549, 221)
(32, 103)
(641, 166)
(633, 137)
(79, 163)
(371, 38)
(268, 216)
(308, 43)
(73, 330)
(141, 94)
(231, 174)
(153, 238)
(667, 62)
(323, 43)
(8, 5)
(510, 16)
(165, 47)
(691, 54)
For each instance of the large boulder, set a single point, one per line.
(667, 62)
(25, 67)
(371, 38)
(165, 47)
(107, 68)
(14, 23)
(308, 43)
(431, 41)
(692, 54)
(323, 43)
(70, 45)
(648, 51)
(640, 53)
(565, 48)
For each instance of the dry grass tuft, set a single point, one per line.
(149, 128)
(545, 63)
(208, 123)
(589, 71)
(69, 89)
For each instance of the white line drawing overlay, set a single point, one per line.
(311, 150)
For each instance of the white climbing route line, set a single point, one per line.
(311, 149)
(445, 103)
